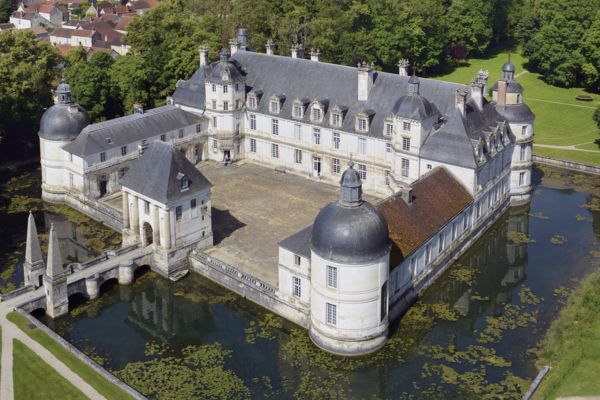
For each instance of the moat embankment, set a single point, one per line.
(469, 335)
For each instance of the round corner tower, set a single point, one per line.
(60, 124)
(508, 96)
(350, 251)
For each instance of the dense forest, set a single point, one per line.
(561, 38)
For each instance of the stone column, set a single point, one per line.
(155, 226)
(134, 217)
(126, 273)
(91, 287)
(125, 210)
(165, 229)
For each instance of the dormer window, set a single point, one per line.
(389, 129)
(316, 114)
(214, 88)
(362, 124)
(406, 126)
(298, 111)
(252, 102)
(225, 88)
(184, 182)
(274, 106)
(336, 119)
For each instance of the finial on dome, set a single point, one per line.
(351, 187)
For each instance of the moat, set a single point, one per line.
(470, 335)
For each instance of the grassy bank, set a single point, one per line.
(584, 157)
(34, 379)
(104, 387)
(572, 346)
(561, 120)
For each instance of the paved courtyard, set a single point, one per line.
(254, 207)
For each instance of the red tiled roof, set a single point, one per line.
(124, 22)
(62, 32)
(437, 198)
(7, 26)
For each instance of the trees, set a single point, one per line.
(27, 66)
(6, 7)
(469, 24)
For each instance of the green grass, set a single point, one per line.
(590, 146)
(572, 346)
(104, 387)
(33, 379)
(564, 124)
(583, 157)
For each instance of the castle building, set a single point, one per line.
(446, 161)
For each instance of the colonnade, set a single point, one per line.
(160, 221)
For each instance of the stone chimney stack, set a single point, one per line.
(366, 78)
(461, 102)
(203, 50)
(314, 54)
(242, 39)
(138, 108)
(297, 51)
(501, 93)
(270, 47)
(33, 267)
(407, 195)
(234, 46)
(403, 67)
(483, 76)
(477, 93)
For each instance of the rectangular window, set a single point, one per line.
(146, 207)
(275, 127)
(317, 136)
(298, 132)
(335, 165)
(102, 157)
(297, 111)
(405, 144)
(178, 213)
(441, 243)
(406, 126)
(297, 290)
(198, 128)
(427, 254)
(362, 146)
(389, 129)
(237, 87)
(296, 260)
(521, 178)
(405, 167)
(331, 313)
(336, 140)
(123, 150)
(214, 119)
(362, 171)
(253, 122)
(384, 300)
(252, 102)
(215, 144)
(163, 138)
(71, 180)
(362, 124)
(298, 156)
(225, 88)
(70, 157)
(275, 150)
(193, 208)
(522, 155)
(332, 280)
(214, 104)
(336, 119)
(387, 178)
(524, 130)
(316, 114)
(225, 105)
(275, 107)
(252, 145)
(180, 134)
(388, 147)
(429, 166)
(214, 87)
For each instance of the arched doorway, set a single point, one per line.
(147, 234)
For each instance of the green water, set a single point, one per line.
(469, 336)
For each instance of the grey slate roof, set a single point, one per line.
(63, 122)
(157, 174)
(299, 242)
(129, 129)
(517, 113)
(192, 92)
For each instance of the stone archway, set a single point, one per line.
(147, 238)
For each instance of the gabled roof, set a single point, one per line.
(157, 174)
(437, 198)
(129, 129)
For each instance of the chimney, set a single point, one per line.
(483, 76)
(138, 108)
(270, 46)
(477, 93)
(234, 46)
(407, 195)
(242, 39)
(501, 100)
(365, 80)
(403, 67)
(314, 54)
(203, 50)
(297, 51)
(461, 100)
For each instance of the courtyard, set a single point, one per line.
(254, 208)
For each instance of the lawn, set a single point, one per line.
(572, 346)
(560, 118)
(104, 387)
(584, 157)
(34, 379)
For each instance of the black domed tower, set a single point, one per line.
(60, 124)
(350, 251)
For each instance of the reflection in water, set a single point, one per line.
(467, 337)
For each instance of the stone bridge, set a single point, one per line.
(86, 278)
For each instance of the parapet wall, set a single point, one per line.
(573, 166)
(248, 287)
